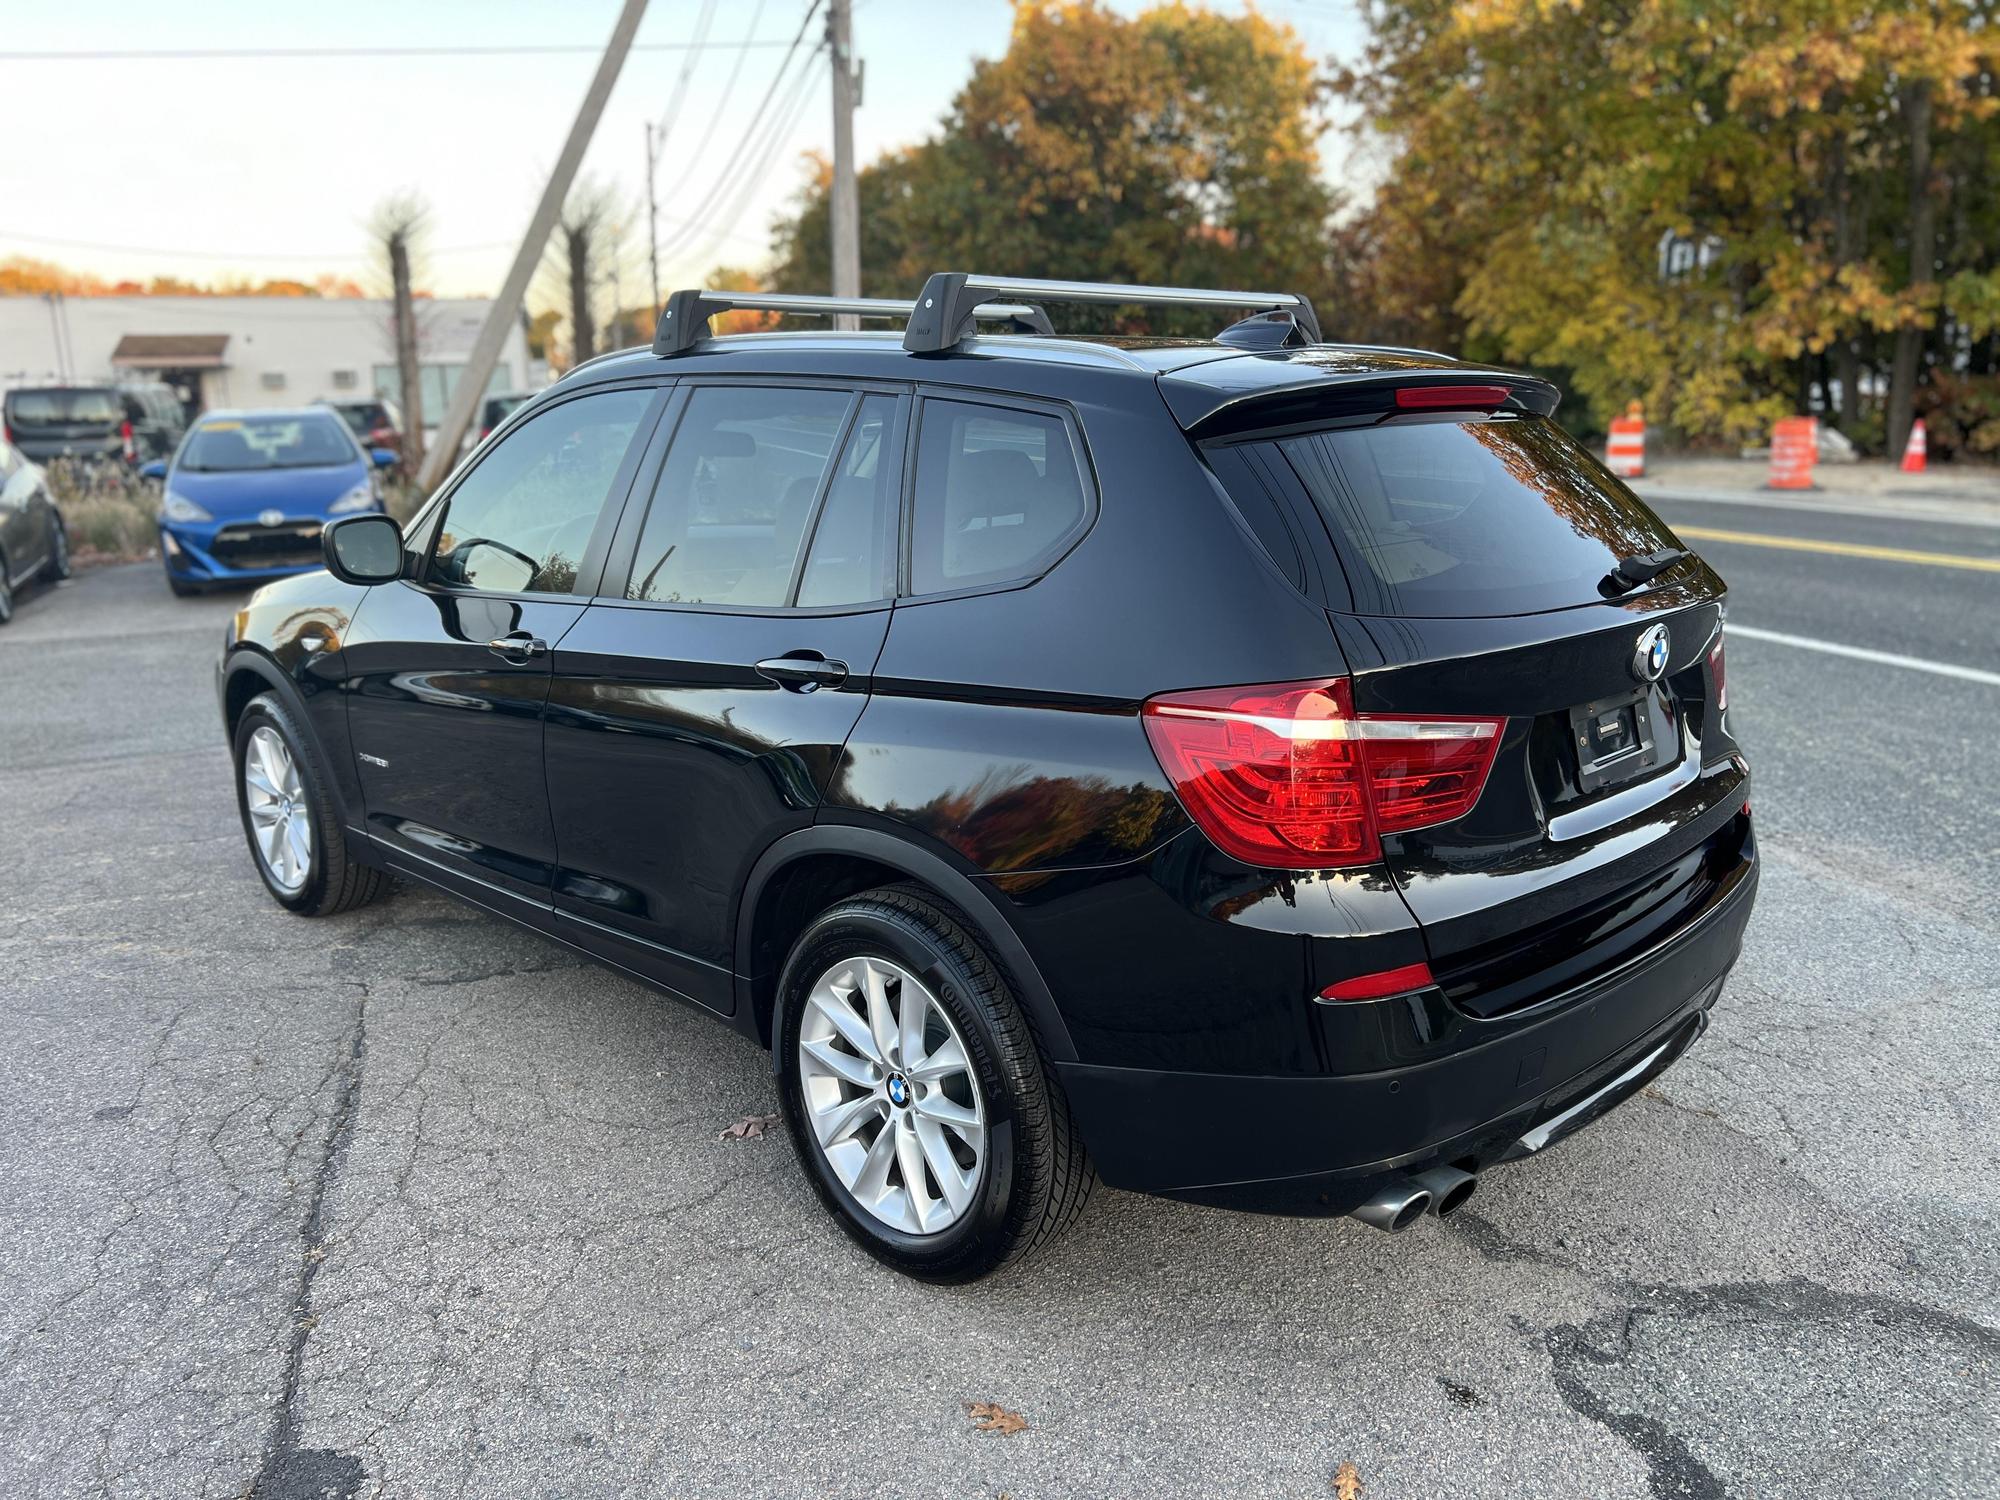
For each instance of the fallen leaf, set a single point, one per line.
(1347, 1482)
(748, 1128)
(991, 1416)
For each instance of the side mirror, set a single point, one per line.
(363, 549)
(157, 469)
(383, 458)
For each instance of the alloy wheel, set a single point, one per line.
(280, 817)
(891, 1095)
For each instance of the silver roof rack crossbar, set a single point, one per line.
(684, 321)
(945, 307)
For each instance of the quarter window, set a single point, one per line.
(998, 493)
(736, 495)
(519, 522)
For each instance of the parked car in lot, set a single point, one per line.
(157, 417)
(375, 423)
(247, 494)
(81, 422)
(1280, 775)
(33, 540)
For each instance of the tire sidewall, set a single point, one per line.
(979, 1239)
(59, 563)
(6, 592)
(266, 712)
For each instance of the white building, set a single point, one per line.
(251, 351)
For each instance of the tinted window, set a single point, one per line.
(520, 521)
(54, 407)
(852, 541)
(735, 495)
(998, 491)
(1444, 518)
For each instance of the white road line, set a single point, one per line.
(1862, 653)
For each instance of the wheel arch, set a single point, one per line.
(247, 672)
(803, 872)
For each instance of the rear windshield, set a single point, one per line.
(54, 408)
(1429, 517)
(301, 442)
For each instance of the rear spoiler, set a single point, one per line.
(1223, 396)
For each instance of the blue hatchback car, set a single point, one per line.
(249, 491)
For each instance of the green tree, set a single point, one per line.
(1175, 146)
(1840, 154)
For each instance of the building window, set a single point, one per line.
(438, 383)
(272, 380)
(345, 380)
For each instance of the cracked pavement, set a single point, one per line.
(409, 1203)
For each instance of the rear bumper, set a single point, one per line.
(1322, 1144)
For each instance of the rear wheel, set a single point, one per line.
(289, 817)
(57, 567)
(915, 1094)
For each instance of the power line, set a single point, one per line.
(754, 179)
(234, 54)
(715, 114)
(723, 178)
(701, 24)
(233, 255)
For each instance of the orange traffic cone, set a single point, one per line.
(1794, 451)
(1915, 450)
(1625, 453)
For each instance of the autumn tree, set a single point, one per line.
(1177, 145)
(399, 227)
(1832, 161)
(588, 257)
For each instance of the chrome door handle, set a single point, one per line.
(802, 671)
(518, 647)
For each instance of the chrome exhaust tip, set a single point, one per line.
(1396, 1207)
(1449, 1188)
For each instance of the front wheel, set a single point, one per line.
(6, 592)
(915, 1095)
(290, 819)
(57, 568)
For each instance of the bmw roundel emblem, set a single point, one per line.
(1649, 656)
(899, 1090)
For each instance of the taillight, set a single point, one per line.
(125, 433)
(1288, 776)
(1720, 667)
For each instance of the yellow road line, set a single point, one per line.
(1841, 549)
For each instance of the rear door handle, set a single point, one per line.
(518, 647)
(803, 671)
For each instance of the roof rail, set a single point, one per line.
(684, 321)
(945, 308)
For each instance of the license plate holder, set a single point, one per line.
(1613, 739)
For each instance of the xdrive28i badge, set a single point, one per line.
(1649, 655)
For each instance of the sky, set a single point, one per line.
(148, 163)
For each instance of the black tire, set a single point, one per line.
(182, 590)
(57, 568)
(1036, 1176)
(333, 882)
(6, 592)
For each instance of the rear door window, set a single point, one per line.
(999, 495)
(739, 487)
(853, 539)
(1445, 518)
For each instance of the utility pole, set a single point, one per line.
(845, 204)
(500, 317)
(653, 214)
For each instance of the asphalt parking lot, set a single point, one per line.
(409, 1203)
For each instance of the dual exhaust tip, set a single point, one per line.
(1441, 1191)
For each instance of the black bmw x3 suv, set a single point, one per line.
(1281, 775)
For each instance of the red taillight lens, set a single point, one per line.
(1720, 667)
(1453, 397)
(125, 435)
(1288, 776)
(1375, 986)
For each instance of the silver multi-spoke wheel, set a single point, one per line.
(891, 1095)
(280, 816)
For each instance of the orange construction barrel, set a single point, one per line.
(1794, 451)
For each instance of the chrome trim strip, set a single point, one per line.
(1621, 805)
(1548, 1130)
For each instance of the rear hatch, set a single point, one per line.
(1477, 564)
(57, 422)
